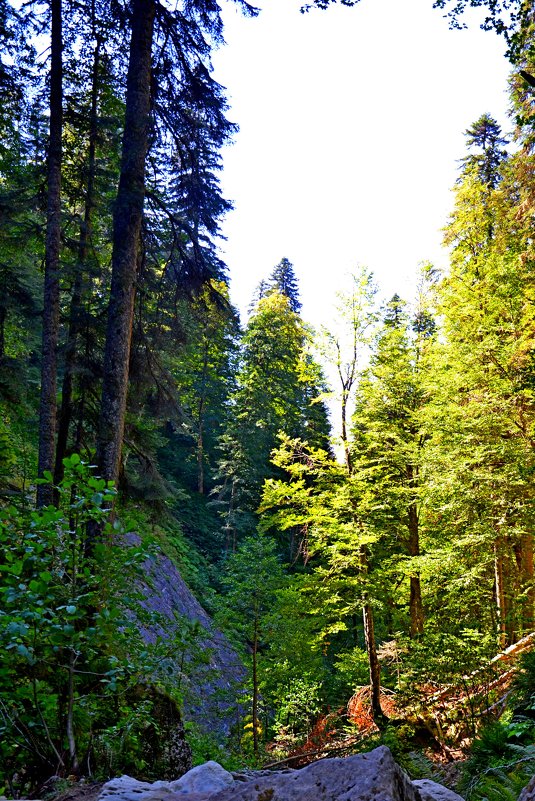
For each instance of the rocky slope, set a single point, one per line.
(211, 684)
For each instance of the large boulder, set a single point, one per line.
(364, 777)
(431, 791)
(208, 778)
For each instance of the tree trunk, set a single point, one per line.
(373, 662)
(71, 739)
(65, 414)
(415, 602)
(371, 648)
(501, 611)
(255, 687)
(3, 315)
(47, 407)
(126, 241)
(524, 559)
(345, 441)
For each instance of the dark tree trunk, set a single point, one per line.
(3, 315)
(345, 441)
(371, 649)
(65, 414)
(527, 576)
(416, 607)
(499, 583)
(255, 687)
(47, 408)
(126, 241)
(373, 663)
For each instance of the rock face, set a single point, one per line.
(528, 793)
(208, 778)
(431, 791)
(363, 777)
(214, 707)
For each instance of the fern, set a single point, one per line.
(503, 781)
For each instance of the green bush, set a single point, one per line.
(72, 650)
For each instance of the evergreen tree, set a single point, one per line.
(277, 391)
(387, 444)
(485, 135)
(283, 280)
(252, 576)
(481, 405)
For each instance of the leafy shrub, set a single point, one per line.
(73, 650)
(498, 763)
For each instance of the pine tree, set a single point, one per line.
(277, 391)
(483, 409)
(485, 135)
(387, 444)
(283, 280)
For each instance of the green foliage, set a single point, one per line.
(445, 656)
(73, 648)
(524, 684)
(278, 390)
(498, 764)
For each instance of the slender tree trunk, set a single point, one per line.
(126, 241)
(255, 687)
(501, 611)
(200, 460)
(71, 739)
(523, 552)
(415, 602)
(200, 412)
(373, 662)
(345, 441)
(528, 582)
(47, 408)
(371, 649)
(3, 315)
(65, 414)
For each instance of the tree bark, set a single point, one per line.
(47, 407)
(3, 315)
(501, 611)
(371, 649)
(373, 662)
(416, 607)
(126, 241)
(345, 441)
(65, 414)
(255, 687)
(526, 577)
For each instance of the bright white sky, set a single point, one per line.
(351, 124)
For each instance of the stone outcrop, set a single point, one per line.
(214, 706)
(528, 793)
(209, 778)
(374, 776)
(431, 791)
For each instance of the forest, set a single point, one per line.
(352, 506)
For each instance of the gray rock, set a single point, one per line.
(207, 778)
(125, 788)
(528, 793)
(210, 686)
(364, 777)
(431, 791)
